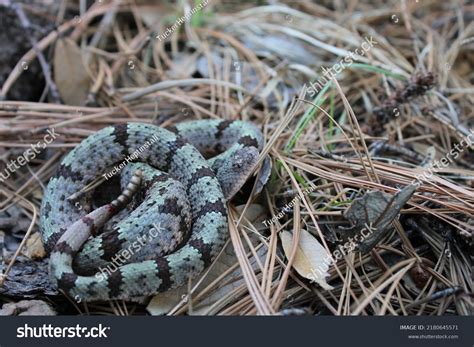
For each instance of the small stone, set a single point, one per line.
(27, 308)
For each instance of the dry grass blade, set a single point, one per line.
(353, 98)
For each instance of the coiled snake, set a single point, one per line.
(167, 186)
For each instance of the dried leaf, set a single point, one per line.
(150, 15)
(34, 247)
(184, 66)
(70, 73)
(311, 260)
(292, 49)
(162, 303)
(255, 214)
(375, 211)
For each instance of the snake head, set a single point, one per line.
(234, 172)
